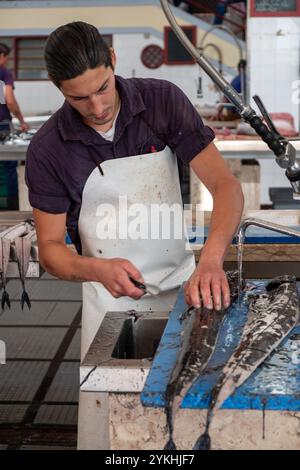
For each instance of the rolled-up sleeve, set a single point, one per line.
(186, 132)
(45, 188)
(7, 78)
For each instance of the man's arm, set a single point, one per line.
(208, 281)
(57, 259)
(13, 106)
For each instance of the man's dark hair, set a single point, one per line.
(74, 48)
(4, 49)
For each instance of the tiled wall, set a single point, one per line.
(273, 56)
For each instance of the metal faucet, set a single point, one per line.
(220, 65)
(218, 51)
(263, 224)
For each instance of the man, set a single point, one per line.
(11, 106)
(116, 138)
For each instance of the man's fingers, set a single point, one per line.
(186, 289)
(206, 294)
(216, 293)
(194, 294)
(212, 291)
(225, 292)
(129, 289)
(133, 272)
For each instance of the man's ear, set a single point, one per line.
(113, 58)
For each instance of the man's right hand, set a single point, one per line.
(114, 275)
(62, 262)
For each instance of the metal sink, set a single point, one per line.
(122, 351)
(139, 339)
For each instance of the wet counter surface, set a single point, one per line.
(274, 385)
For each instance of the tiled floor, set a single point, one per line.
(40, 380)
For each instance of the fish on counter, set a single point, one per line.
(271, 317)
(200, 329)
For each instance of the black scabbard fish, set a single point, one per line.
(200, 328)
(272, 315)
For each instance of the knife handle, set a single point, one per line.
(138, 284)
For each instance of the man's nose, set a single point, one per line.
(96, 105)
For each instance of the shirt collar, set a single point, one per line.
(71, 126)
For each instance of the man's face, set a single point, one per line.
(93, 94)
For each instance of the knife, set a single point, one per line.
(151, 290)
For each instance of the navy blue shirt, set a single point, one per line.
(61, 156)
(7, 78)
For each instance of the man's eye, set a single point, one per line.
(102, 90)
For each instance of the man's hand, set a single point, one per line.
(64, 263)
(114, 275)
(208, 286)
(24, 126)
(208, 282)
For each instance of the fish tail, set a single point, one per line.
(170, 445)
(203, 442)
(5, 300)
(25, 299)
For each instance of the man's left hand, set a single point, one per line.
(208, 286)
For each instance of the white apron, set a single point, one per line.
(150, 179)
(165, 263)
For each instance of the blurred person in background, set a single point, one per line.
(6, 111)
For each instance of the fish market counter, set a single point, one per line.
(262, 414)
(248, 149)
(119, 369)
(13, 152)
(230, 149)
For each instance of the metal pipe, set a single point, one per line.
(264, 224)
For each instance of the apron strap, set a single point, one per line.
(96, 162)
(157, 134)
(180, 164)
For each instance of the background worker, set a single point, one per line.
(6, 111)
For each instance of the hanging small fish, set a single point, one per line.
(272, 315)
(7, 238)
(200, 329)
(23, 247)
(4, 260)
